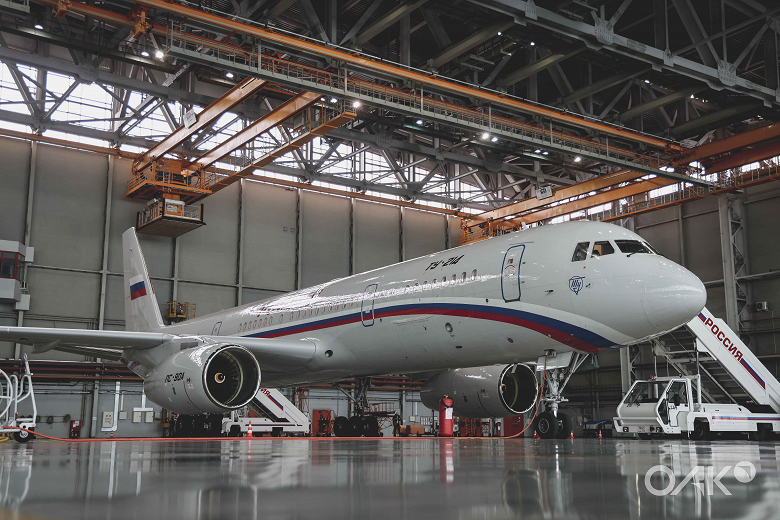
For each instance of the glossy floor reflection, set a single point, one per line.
(414, 478)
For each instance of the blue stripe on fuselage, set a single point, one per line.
(567, 328)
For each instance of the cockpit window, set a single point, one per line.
(602, 248)
(580, 252)
(632, 246)
(651, 248)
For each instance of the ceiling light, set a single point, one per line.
(229, 75)
(495, 139)
(533, 43)
(356, 103)
(485, 135)
(333, 100)
(420, 122)
(647, 81)
(545, 152)
(578, 159)
(692, 96)
(538, 150)
(39, 26)
(159, 54)
(499, 33)
(144, 54)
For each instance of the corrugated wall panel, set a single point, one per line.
(14, 178)
(269, 237)
(376, 235)
(325, 246)
(423, 233)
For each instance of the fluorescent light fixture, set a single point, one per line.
(533, 43)
(144, 54)
(538, 150)
(578, 159)
(485, 135)
(159, 54)
(647, 81)
(499, 33)
(420, 122)
(356, 103)
(692, 96)
(39, 26)
(495, 139)
(229, 75)
(333, 100)
(545, 152)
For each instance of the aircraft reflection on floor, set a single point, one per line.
(418, 478)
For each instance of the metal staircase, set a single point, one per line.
(679, 349)
(730, 372)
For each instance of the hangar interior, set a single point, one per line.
(265, 147)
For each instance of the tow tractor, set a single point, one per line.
(665, 405)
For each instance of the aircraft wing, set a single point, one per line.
(278, 354)
(44, 339)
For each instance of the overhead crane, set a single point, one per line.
(485, 119)
(173, 185)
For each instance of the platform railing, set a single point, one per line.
(485, 119)
(671, 199)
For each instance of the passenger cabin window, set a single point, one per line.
(474, 274)
(632, 246)
(581, 252)
(601, 249)
(463, 277)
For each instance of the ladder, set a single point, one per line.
(730, 372)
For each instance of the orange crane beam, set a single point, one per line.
(214, 111)
(714, 151)
(260, 126)
(408, 74)
(598, 199)
(744, 157)
(574, 190)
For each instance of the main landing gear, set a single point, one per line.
(362, 423)
(552, 424)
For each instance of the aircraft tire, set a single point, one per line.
(564, 426)
(546, 425)
(341, 427)
(371, 426)
(356, 426)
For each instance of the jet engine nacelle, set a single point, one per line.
(208, 379)
(492, 391)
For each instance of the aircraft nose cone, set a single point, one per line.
(672, 296)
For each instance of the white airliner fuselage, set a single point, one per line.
(504, 300)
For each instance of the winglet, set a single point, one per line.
(142, 314)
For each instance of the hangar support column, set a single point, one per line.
(28, 226)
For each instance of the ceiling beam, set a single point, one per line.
(539, 65)
(694, 125)
(598, 86)
(388, 19)
(658, 102)
(477, 38)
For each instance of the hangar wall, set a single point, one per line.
(259, 240)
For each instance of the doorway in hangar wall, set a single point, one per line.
(510, 273)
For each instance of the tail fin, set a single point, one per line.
(142, 313)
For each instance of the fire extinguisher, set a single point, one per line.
(498, 428)
(445, 417)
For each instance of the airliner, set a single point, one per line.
(475, 323)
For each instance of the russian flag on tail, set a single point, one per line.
(137, 287)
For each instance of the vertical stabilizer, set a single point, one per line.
(142, 313)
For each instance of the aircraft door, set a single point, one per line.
(215, 330)
(510, 273)
(367, 305)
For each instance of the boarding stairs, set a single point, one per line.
(730, 372)
(271, 404)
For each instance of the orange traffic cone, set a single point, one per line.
(571, 435)
(600, 437)
(112, 434)
(536, 435)
(249, 430)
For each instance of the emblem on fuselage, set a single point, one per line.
(576, 283)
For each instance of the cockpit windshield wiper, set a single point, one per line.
(629, 254)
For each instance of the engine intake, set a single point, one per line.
(492, 391)
(206, 379)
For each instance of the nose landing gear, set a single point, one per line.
(552, 424)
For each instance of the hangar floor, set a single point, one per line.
(410, 478)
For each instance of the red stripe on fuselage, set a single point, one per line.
(561, 337)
